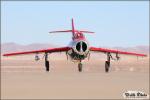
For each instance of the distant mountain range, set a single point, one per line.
(13, 47)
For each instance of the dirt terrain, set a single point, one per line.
(24, 78)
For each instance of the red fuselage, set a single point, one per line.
(79, 45)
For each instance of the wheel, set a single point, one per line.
(107, 65)
(47, 65)
(80, 67)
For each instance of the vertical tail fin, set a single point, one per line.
(73, 30)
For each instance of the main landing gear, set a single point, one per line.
(80, 66)
(46, 62)
(107, 63)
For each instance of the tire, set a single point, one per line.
(47, 65)
(107, 65)
(80, 67)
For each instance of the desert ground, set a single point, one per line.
(24, 78)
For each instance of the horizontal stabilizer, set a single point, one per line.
(60, 31)
(86, 32)
(71, 31)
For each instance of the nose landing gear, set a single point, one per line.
(80, 66)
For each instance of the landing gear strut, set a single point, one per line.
(46, 62)
(80, 67)
(107, 63)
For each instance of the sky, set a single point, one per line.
(115, 23)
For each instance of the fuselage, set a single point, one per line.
(80, 47)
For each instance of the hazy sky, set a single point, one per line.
(115, 23)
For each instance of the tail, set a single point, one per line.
(73, 31)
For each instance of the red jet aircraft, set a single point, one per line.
(78, 50)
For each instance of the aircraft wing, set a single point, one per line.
(50, 50)
(115, 51)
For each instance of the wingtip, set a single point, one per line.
(145, 55)
(4, 55)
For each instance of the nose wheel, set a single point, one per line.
(80, 67)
